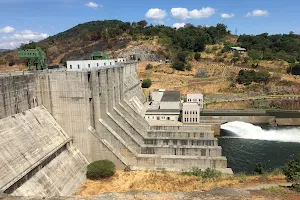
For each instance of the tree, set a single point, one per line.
(100, 169)
(197, 56)
(146, 83)
(246, 76)
(262, 76)
(255, 54)
(188, 67)
(292, 172)
(149, 66)
(178, 65)
(142, 23)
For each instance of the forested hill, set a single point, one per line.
(112, 35)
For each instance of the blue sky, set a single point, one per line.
(24, 20)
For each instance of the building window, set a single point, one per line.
(166, 142)
(104, 64)
(183, 142)
(168, 118)
(97, 64)
(203, 152)
(174, 142)
(157, 118)
(78, 66)
(70, 66)
(196, 112)
(110, 63)
(202, 135)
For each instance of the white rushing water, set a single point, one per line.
(249, 131)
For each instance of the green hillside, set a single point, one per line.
(110, 35)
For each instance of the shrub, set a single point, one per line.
(206, 174)
(197, 56)
(100, 169)
(188, 67)
(259, 169)
(262, 76)
(11, 63)
(248, 76)
(127, 168)
(146, 83)
(292, 170)
(211, 174)
(149, 66)
(178, 65)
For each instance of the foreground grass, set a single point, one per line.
(171, 182)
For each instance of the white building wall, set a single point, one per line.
(198, 98)
(121, 59)
(190, 113)
(172, 105)
(87, 64)
(162, 117)
(156, 96)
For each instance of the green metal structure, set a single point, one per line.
(34, 57)
(98, 55)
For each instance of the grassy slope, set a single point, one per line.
(170, 182)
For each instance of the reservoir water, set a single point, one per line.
(245, 145)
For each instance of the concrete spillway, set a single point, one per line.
(99, 109)
(37, 157)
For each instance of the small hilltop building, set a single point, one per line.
(238, 49)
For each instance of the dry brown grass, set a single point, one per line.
(163, 76)
(166, 182)
(6, 68)
(232, 105)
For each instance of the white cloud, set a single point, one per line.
(202, 13)
(7, 29)
(156, 14)
(227, 16)
(257, 13)
(180, 13)
(178, 25)
(184, 13)
(93, 5)
(17, 39)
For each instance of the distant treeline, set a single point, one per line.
(269, 47)
(190, 38)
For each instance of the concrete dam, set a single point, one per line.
(54, 122)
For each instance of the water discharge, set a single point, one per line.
(249, 131)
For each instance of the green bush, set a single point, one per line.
(178, 65)
(149, 66)
(188, 67)
(146, 83)
(292, 170)
(100, 169)
(246, 77)
(259, 169)
(197, 56)
(207, 174)
(211, 174)
(262, 76)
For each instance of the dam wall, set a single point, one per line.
(17, 93)
(38, 157)
(100, 110)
